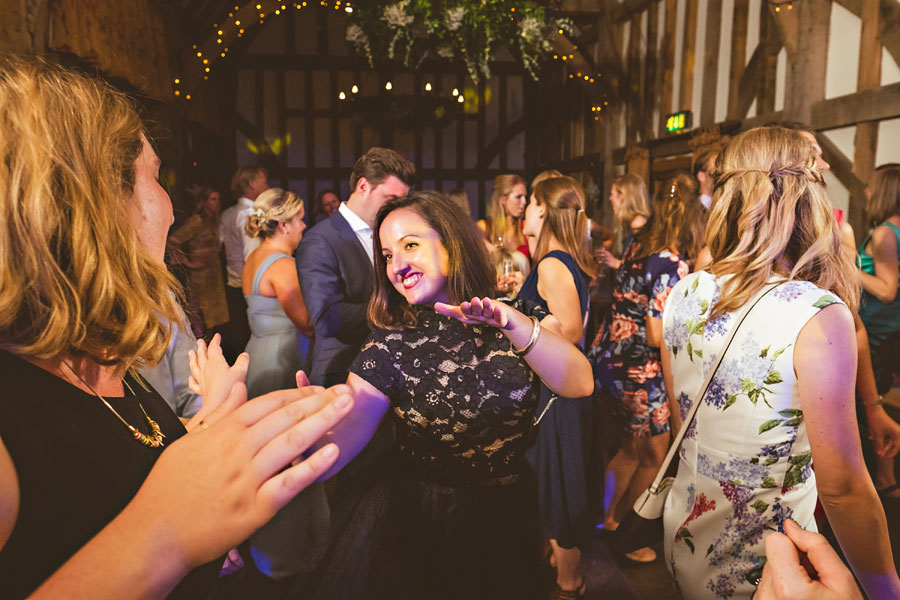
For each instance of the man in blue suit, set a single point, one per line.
(334, 264)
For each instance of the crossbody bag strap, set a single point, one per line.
(699, 398)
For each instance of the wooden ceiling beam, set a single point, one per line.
(867, 105)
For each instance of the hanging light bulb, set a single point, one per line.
(388, 86)
(355, 89)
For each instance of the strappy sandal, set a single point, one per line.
(576, 594)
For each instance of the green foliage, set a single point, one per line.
(409, 31)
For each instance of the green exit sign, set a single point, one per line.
(678, 122)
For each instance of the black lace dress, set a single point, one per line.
(453, 514)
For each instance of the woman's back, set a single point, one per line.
(275, 356)
(746, 460)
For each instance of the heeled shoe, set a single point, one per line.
(577, 594)
(638, 557)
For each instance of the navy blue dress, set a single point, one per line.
(559, 455)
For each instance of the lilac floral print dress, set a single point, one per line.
(746, 463)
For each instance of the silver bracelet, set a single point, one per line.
(878, 402)
(535, 334)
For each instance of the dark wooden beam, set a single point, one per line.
(807, 66)
(668, 62)
(688, 54)
(627, 9)
(711, 62)
(867, 105)
(738, 57)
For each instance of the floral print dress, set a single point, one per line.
(746, 463)
(625, 366)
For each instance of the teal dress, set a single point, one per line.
(882, 320)
(275, 355)
(293, 542)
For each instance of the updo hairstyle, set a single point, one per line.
(270, 208)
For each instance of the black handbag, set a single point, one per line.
(642, 525)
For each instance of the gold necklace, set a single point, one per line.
(154, 440)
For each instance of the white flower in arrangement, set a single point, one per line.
(530, 29)
(453, 17)
(444, 51)
(396, 15)
(356, 35)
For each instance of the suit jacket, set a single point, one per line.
(336, 279)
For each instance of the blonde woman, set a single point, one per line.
(275, 307)
(781, 400)
(558, 283)
(104, 494)
(628, 198)
(503, 226)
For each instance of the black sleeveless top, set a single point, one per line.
(77, 466)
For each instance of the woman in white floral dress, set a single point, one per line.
(782, 399)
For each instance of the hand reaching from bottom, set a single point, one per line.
(786, 577)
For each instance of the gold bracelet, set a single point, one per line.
(535, 334)
(878, 402)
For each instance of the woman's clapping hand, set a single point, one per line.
(228, 478)
(213, 379)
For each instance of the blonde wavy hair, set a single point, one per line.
(270, 208)
(74, 278)
(498, 220)
(772, 216)
(634, 199)
(565, 219)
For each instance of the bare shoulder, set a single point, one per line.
(9, 495)
(830, 332)
(883, 237)
(553, 269)
(282, 269)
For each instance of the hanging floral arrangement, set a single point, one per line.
(409, 31)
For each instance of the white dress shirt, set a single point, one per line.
(706, 200)
(360, 228)
(238, 245)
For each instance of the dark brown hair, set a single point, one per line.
(885, 199)
(470, 271)
(677, 221)
(378, 164)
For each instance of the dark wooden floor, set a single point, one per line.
(608, 579)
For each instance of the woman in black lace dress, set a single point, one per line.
(454, 514)
(458, 517)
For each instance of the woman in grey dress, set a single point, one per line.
(275, 307)
(276, 312)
